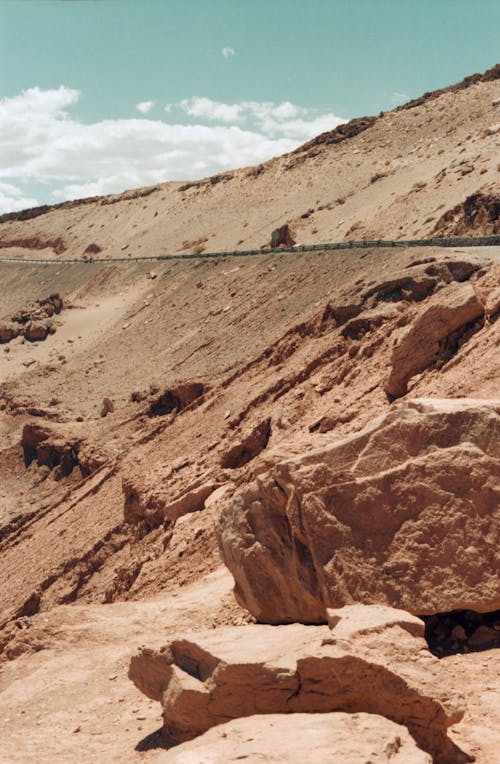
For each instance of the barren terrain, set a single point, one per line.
(161, 391)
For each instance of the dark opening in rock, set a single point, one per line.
(177, 399)
(462, 631)
(249, 448)
(450, 346)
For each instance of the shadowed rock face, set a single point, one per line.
(373, 660)
(452, 310)
(447, 321)
(404, 513)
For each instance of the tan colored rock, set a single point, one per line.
(404, 513)
(335, 738)
(446, 312)
(233, 672)
(487, 290)
(139, 506)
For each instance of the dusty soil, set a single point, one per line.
(284, 353)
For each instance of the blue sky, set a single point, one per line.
(102, 95)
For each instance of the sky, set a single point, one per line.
(99, 96)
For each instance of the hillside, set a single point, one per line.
(404, 174)
(138, 406)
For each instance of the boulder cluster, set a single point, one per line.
(34, 323)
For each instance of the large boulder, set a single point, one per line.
(335, 738)
(377, 663)
(404, 513)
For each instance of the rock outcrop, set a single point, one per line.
(477, 215)
(142, 506)
(487, 290)
(376, 665)
(436, 332)
(59, 448)
(403, 513)
(282, 237)
(335, 738)
(34, 323)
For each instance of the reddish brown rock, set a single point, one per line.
(140, 506)
(248, 447)
(282, 237)
(107, 407)
(8, 331)
(36, 331)
(452, 309)
(403, 513)
(178, 398)
(233, 672)
(487, 290)
(60, 448)
(335, 738)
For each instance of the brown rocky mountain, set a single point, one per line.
(325, 423)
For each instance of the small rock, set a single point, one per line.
(107, 407)
(227, 414)
(152, 274)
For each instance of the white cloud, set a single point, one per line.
(228, 53)
(204, 107)
(398, 97)
(40, 141)
(144, 106)
(12, 199)
(273, 119)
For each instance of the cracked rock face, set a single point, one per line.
(404, 513)
(374, 662)
(335, 738)
(449, 311)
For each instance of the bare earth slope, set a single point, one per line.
(156, 395)
(404, 174)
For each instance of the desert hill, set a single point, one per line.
(403, 174)
(144, 405)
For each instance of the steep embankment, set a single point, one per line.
(394, 176)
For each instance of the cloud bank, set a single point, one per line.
(40, 142)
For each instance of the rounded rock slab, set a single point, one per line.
(334, 738)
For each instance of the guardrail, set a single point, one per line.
(462, 241)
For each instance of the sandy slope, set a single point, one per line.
(91, 565)
(394, 179)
